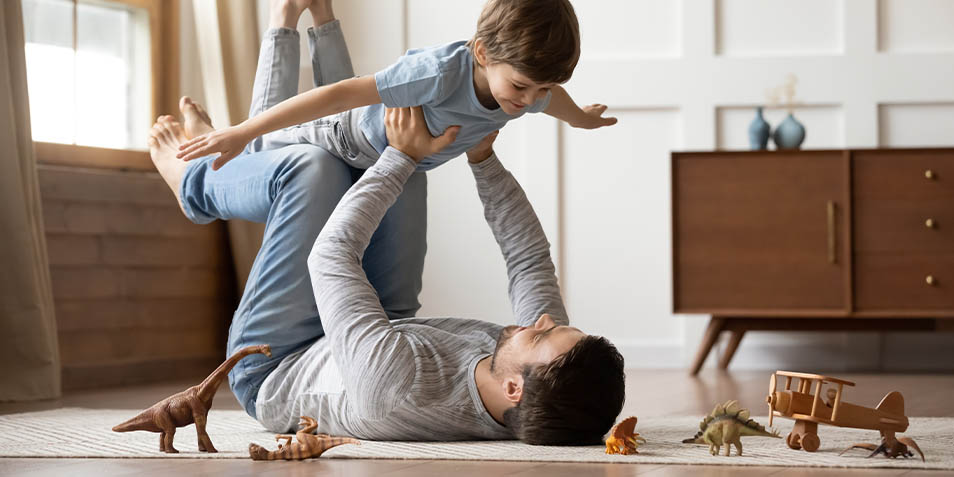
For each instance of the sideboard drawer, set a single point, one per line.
(904, 282)
(915, 226)
(903, 175)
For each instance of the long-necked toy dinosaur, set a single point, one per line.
(308, 445)
(187, 407)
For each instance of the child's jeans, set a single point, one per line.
(339, 133)
(293, 190)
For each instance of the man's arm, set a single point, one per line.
(565, 109)
(376, 362)
(533, 288)
(316, 103)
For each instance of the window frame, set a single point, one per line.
(164, 62)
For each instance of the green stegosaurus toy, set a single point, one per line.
(725, 425)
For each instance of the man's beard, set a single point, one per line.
(505, 334)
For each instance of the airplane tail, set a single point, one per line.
(892, 403)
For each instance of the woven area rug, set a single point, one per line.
(73, 432)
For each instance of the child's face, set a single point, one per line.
(512, 90)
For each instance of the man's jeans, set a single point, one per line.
(293, 190)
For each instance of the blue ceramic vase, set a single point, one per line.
(758, 131)
(789, 134)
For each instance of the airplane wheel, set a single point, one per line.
(810, 442)
(793, 441)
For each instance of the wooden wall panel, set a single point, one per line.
(141, 293)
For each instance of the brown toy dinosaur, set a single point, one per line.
(308, 446)
(187, 407)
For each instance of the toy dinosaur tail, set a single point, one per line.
(694, 440)
(297, 451)
(140, 422)
(208, 386)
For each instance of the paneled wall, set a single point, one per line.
(141, 294)
(680, 75)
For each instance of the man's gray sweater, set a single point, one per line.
(408, 379)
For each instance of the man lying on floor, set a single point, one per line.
(409, 378)
(433, 378)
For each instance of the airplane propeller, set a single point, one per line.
(771, 398)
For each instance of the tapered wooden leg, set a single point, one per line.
(712, 334)
(729, 352)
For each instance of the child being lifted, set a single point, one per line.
(521, 53)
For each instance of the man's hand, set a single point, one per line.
(484, 150)
(407, 132)
(229, 142)
(594, 117)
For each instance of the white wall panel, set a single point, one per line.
(375, 32)
(432, 22)
(910, 125)
(617, 227)
(824, 126)
(653, 28)
(464, 272)
(779, 27)
(915, 26)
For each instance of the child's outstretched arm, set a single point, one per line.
(316, 103)
(563, 108)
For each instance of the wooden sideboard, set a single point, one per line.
(837, 240)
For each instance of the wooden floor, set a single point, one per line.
(648, 393)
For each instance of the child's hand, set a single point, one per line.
(594, 117)
(228, 142)
(483, 150)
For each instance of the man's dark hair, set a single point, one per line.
(574, 399)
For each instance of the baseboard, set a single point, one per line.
(91, 376)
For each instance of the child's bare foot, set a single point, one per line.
(197, 121)
(164, 139)
(321, 12)
(285, 13)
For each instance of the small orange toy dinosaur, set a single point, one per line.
(187, 407)
(308, 446)
(623, 438)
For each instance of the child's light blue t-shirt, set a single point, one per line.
(441, 80)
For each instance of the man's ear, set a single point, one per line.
(513, 388)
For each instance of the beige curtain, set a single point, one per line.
(228, 40)
(29, 354)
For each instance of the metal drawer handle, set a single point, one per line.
(832, 259)
(930, 280)
(930, 223)
(929, 174)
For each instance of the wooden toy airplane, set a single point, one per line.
(808, 409)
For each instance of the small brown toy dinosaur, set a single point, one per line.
(891, 446)
(187, 407)
(725, 425)
(308, 446)
(623, 438)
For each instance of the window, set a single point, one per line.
(98, 73)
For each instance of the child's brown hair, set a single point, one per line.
(538, 38)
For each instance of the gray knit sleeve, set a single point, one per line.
(533, 284)
(377, 362)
